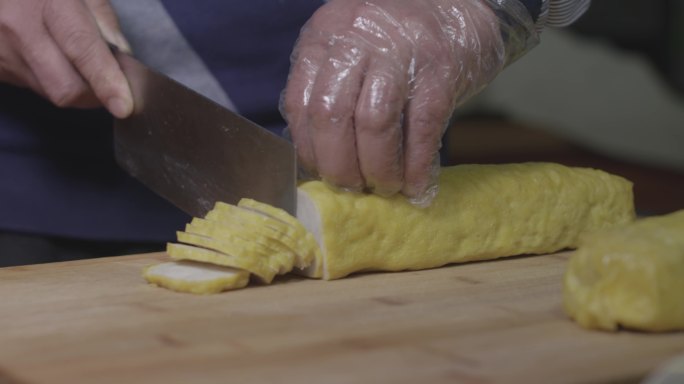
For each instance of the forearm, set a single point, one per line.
(521, 21)
(561, 13)
(554, 13)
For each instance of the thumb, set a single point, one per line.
(108, 23)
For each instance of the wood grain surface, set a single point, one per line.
(96, 321)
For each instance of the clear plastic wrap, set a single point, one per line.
(374, 83)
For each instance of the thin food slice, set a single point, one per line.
(249, 259)
(205, 255)
(307, 240)
(274, 212)
(197, 278)
(306, 246)
(282, 259)
(271, 240)
(244, 230)
(255, 231)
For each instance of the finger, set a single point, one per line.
(330, 115)
(295, 102)
(427, 116)
(75, 32)
(54, 76)
(14, 70)
(378, 126)
(108, 23)
(310, 52)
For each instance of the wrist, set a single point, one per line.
(536, 8)
(561, 13)
(517, 25)
(555, 13)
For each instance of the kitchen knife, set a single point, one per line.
(194, 152)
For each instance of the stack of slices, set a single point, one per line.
(232, 242)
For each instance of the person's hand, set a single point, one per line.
(58, 48)
(373, 84)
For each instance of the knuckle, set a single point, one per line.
(10, 29)
(324, 114)
(298, 133)
(339, 167)
(66, 95)
(6, 25)
(290, 104)
(431, 117)
(387, 188)
(373, 121)
(342, 178)
(320, 20)
(99, 6)
(81, 45)
(426, 130)
(383, 181)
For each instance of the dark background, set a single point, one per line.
(652, 29)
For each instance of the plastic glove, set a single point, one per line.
(374, 83)
(58, 49)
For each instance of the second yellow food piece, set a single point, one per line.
(481, 212)
(631, 277)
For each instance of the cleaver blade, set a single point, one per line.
(194, 152)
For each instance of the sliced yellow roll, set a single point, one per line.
(281, 237)
(306, 243)
(481, 212)
(631, 277)
(252, 211)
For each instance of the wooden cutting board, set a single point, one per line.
(97, 321)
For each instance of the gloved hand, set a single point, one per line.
(58, 49)
(374, 83)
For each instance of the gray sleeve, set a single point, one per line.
(561, 13)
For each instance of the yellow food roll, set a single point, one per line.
(630, 277)
(481, 212)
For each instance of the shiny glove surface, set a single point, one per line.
(58, 49)
(373, 84)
